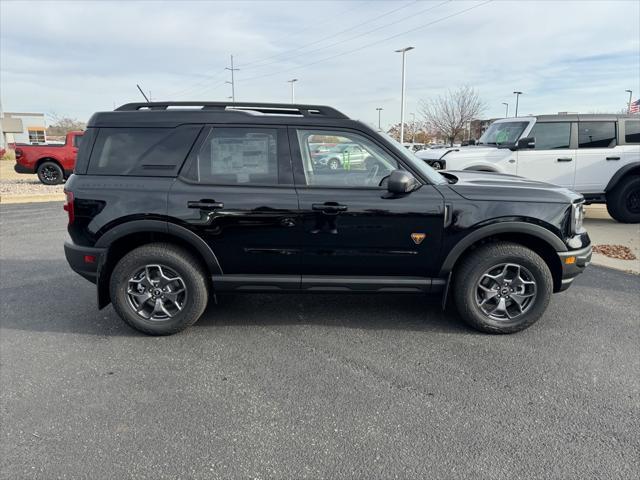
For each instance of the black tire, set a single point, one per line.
(469, 273)
(173, 259)
(623, 202)
(333, 164)
(50, 173)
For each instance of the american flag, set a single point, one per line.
(635, 107)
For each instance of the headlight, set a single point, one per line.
(577, 217)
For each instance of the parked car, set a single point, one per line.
(596, 155)
(342, 156)
(195, 202)
(52, 162)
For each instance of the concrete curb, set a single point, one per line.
(36, 198)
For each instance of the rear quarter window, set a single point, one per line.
(157, 152)
(632, 131)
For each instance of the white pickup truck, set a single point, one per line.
(596, 155)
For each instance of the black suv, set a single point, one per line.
(171, 203)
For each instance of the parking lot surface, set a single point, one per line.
(325, 386)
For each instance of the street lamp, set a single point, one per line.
(506, 114)
(517, 94)
(379, 109)
(629, 104)
(404, 52)
(293, 89)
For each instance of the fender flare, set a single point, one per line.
(497, 228)
(619, 175)
(47, 158)
(142, 226)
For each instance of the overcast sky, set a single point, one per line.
(74, 58)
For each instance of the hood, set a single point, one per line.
(474, 185)
(475, 151)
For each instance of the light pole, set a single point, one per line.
(517, 94)
(404, 52)
(293, 89)
(379, 109)
(506, 114)
(629, 104)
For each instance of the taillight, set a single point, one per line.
(69, 207)
(19, 152)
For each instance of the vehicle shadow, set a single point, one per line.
(49, 297)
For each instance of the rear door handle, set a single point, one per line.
(613, 158)
(205, 204)
(329, 207)
(565, 159)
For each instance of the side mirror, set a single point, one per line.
(526, 142)
(401, 182)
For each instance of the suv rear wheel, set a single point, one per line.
(623, 203)
(502, 288)
(158, 289)
(50, 173)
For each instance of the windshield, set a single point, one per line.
(503, 133)
(418, 164)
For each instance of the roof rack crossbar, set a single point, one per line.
(247, 107)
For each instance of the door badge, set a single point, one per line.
(418, 238)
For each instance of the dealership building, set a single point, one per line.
(22, 127)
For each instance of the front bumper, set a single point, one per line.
(85, 261)
(22, 169)
(573, 264)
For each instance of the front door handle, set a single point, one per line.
(565, 159)
(613, 158)
(329, 208)
(205, 204)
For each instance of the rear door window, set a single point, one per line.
(596, 134)
(141, 151)
(238, 156)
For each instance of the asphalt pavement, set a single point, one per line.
(324, 386)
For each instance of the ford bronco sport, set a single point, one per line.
(172, 203)
(596, 155)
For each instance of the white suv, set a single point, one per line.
(596, 155)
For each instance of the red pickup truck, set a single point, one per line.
(53, 163)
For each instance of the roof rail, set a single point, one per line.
(285, 109)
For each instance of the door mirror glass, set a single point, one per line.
(526, 142)
(401, 182)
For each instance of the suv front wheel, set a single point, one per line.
(502, 288)
(158, 289)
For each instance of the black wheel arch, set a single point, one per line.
(632, 168)
(537, 238)
(49, 159)
(125, 237)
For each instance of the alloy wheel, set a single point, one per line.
(506, 291)
(50, 173)
(156, 292)
(633, 201)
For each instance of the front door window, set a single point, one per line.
(342, 159)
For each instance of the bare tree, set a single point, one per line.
(61, 125)
(450, 114)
